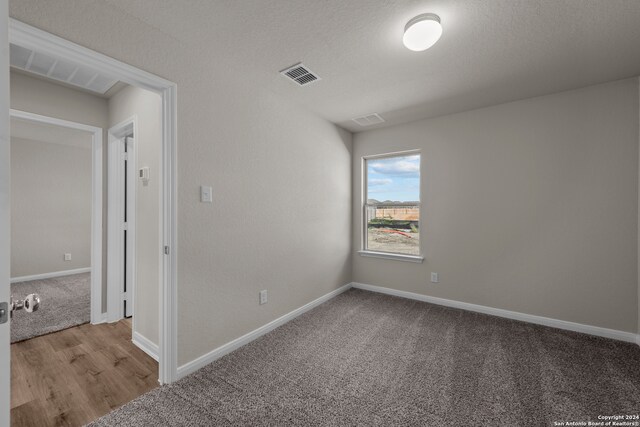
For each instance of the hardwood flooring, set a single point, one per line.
(72, 377)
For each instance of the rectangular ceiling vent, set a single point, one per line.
(369, 119)
(300, 74)
(52, 67)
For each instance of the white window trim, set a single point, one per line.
(364, 196)
(391, 255)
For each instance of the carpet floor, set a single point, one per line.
(65, 302)
(371, 359)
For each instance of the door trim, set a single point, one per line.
(5, 216)
(28, 36)
(115, 203)
(96, 201)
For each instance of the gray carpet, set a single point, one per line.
(65, 302)
(371, 359)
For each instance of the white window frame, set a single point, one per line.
(363, 210)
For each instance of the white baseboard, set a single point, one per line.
(50, 275)
(145, 345)
(539, 320)
(217, 353)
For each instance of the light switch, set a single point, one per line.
(206, 194)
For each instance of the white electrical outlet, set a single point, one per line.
(67, 257)
(435, 278)
(263, 297)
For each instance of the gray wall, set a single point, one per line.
(50, 206)
(530, 206)
(48, 99)
(147, 107)
(257, 150)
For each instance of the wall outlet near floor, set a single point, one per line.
(263, 297)
(435, 278)
(67, 257)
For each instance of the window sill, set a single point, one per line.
(397, 257)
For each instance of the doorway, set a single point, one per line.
(58, 131)
(32, 38)
(121, 276)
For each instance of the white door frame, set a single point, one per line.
(5, 218)
(115, 203)
(96, 202)
(31, 37)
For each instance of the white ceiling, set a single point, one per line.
(491, 51)
(41, 132)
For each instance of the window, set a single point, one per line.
(391, 211)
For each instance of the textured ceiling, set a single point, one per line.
(491, 51)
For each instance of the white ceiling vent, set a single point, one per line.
(47, 65)
(300, 74)
(369, 119)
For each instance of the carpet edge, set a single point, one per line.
(514, 315)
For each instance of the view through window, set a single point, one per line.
(392, 208)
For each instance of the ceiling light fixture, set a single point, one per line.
(422, 32)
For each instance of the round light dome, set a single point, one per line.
(422, 32)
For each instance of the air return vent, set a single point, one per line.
(300, 74)
(369, 119)
(52, 67)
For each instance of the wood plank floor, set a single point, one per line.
(74, 376)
